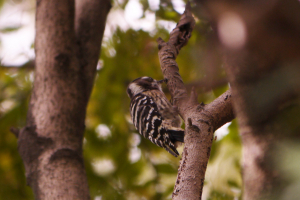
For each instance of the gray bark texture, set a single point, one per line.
(67, 47)
(264, 77)
(201, 120)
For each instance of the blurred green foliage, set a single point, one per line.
(119, 163)
(14, 93)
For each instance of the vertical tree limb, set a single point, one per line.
(201, 120)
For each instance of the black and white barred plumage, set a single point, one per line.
(153, 115)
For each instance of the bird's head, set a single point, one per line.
(143, 84)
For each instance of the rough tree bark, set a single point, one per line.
(264, 74)
(67, 46)
(201, 120)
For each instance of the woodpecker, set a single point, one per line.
(153, 115)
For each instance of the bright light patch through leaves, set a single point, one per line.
(222, 131)
(103, 167)
(103, 132)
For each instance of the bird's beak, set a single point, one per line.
(161, 81)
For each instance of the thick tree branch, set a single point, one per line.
(178, 38)
(221, 110)
(201, 120)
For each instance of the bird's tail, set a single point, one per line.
(176, 134)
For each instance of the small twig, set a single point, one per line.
(15, 131)
(193, 127)
(190, 122)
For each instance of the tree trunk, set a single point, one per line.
(262, 64)
(67, 49)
